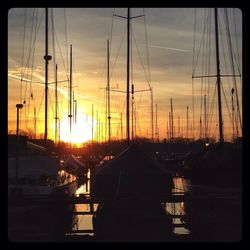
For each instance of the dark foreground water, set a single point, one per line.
(211, 214)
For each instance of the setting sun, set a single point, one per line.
(81, 131)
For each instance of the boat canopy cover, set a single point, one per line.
(132, 175)
(35, 147)
(73, 164)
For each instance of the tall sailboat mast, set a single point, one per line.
(128, 67)
(172, 120)
(218, 81)
(156, 123)
(108, 90)
(56, 107)
(70, 94)
(46, 58)
(187, 122)
(128, 70)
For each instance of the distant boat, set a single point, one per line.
(217, 164)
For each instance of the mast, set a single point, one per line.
(35, 122)
(205, 117)
(128, 70)
(97, 126)
(121, 128)
(92, 122)
(70, 94)
(56, 100)
(167, 130)
(128, 59)
(172, 119)
(187, 121)
(156, 124)
(46, 58)
(232, 92)
(75, 101)
(152, 114)
(218, 81)
(108, 90)
(169, 120)
(133, 115)
(179, 133)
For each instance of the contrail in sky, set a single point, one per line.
(160, 47)
(64, 92)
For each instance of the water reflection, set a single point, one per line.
(211, 214)
(85, 221)
(178, 208)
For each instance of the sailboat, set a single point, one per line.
(130, 189)
(215, 174)
(216, 164)
(39, 170)
(37, 183)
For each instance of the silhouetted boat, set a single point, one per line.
(131, 188)
(132, 175)
(39, 172)
(216, 165)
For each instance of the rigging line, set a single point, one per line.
(118, 52)
(140, 58)
(225, 61)
(33, 45)
(146, 38)
(28, 60)
(193, 69)
(25, 91)
(111, 32)
(209, 62)
(23, 49)
(28, 63)
(207, 57)
(26, 67)
(136, 123)
(139, 128)
(211, 111)
(216, 119)
(203, 34)
(232, 66)
(30, 46)
(53, 43)
(59, 47)
(66, 42)
(132, 80)
(230, 117)
(40, 105)
(149, 79)
(194, 41)
(32, 65)
(237, 47)
(203, 53)
(53, 113)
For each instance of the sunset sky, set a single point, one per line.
(170, 40)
